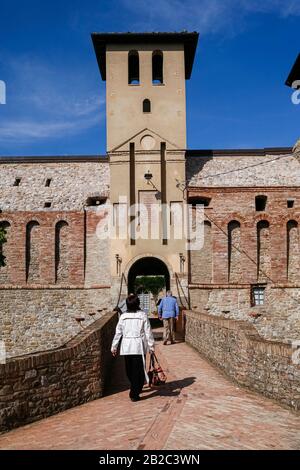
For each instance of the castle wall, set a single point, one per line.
(242, 169)
(42, 384)
(56, 266)
(36, 319)
(71, 182)
(269, 367)
(245, 247)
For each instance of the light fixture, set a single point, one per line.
(148, 176)
(118, 263)
(182, 261)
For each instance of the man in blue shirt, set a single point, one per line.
(168, 311)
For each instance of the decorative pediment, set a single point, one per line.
(145, 140)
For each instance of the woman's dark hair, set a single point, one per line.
(133, 303)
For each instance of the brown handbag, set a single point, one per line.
(155, 373)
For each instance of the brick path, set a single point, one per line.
(198, 409)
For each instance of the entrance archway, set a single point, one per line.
(147, 266)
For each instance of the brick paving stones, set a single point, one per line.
(199, 408)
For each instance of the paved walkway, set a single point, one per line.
(199, 408)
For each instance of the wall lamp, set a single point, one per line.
(148, 176)
(118, 263)
(182, 261)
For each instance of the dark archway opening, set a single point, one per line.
(148, 266)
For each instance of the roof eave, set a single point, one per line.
(189, 39)
(294, 73)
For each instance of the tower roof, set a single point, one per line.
(294, 73)
(188, 39)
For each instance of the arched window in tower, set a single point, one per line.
(157, 68)
(146, 106)
(133, 68)
(33, 239)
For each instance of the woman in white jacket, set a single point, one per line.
(137, 339)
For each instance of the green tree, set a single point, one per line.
(3, 239)
(153, 284)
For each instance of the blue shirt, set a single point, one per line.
(168, 307)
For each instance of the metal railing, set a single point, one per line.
(123, 279)
(186, 303)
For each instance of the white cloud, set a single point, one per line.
(27, 130)
(282, 8)
(206, 16)
(48, 103)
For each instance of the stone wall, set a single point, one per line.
(39, 319)
(71, 182)
(242, 168)
(278, 318)
(267, 367)
(36, 386)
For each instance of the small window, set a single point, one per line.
(146, 106)
(133, 68)
(260, 203)
(17, 182)
(47, 204)
(258, 295)
(203, 201)
(157, 68)
(48, 182)
(96, 200)
(290, 203)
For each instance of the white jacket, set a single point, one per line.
(136, 333)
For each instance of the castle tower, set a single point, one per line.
(145, 77)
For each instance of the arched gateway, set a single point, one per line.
(147, 266)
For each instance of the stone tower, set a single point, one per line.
(145, 77)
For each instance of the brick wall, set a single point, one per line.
(56, 268)
(235, 347)
(245, 247)
(31, 248)
(40, 385)
(201, 260)
(97, 262)
(238, 204)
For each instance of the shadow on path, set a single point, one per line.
(170, 389)
(118, 382)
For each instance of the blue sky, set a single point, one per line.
(236, 97)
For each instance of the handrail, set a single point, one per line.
(123, 277)
(187, 300)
